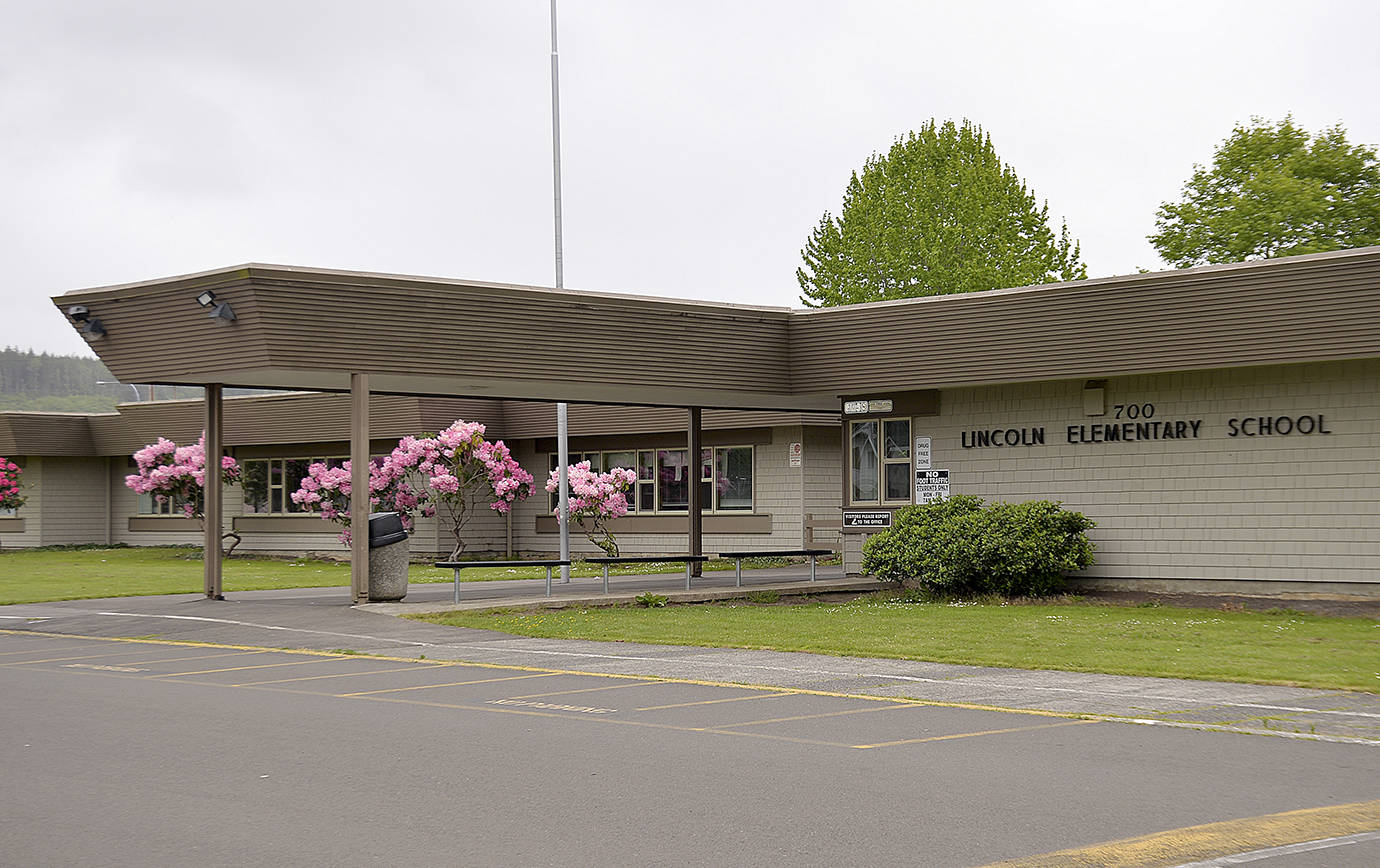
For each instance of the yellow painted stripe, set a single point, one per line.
(815, 716)
(18, 663)
(40, 650)
(569, 715)
(449, 684)
(585, 690)
(242, 668)
(971, 734)
(902, 700)
(332, 675)
(1208, 841)
(716, 701)
(196, 657)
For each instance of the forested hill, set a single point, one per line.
(71, 384)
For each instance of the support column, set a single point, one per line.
(696, 546)
(563, 475)
(359, 488)
(211, 494)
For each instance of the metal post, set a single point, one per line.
(457, 584)
(738, 573)
(359, 488)
(563, 472)
(211, 494)
(606, 578)
(548, 581)
(812, 568)
(564, 445)
(692, 471)
(687, 575)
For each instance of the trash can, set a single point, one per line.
(388, 550)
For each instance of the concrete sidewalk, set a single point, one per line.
(321, 618)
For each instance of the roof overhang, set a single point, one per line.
(309, 329)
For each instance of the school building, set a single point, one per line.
(1220, 424)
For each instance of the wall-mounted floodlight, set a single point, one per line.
(223, 313)
(79, 312)
(93, 329)
(206, 298)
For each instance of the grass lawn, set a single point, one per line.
(40, 575)
(1277, 647)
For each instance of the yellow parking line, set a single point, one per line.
(1211, 840)
(196, 657)
(716, 701)
(585, 690)
(40, 649)
(874, 708)
(55, 659)
(449, 684)
(972, 734)
(315, 677)
(239, 668)
(605, 720)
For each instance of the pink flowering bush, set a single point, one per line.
(447, 475)
(10, 496)
(178, 474)
(595, 500)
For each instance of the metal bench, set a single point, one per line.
(812, 554)
(460, 565)
(688, 560)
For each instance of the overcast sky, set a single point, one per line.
(701, 141)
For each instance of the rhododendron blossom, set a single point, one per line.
(178, 474)
(448, 473)
(595, 499)
(10, 496)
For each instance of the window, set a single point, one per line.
(879, 461)
(663, 478)
(147, 504)
(268, 484)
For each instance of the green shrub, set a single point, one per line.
(958, 545)
(648, 600)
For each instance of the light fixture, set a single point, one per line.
(79, 312)
(93, 328)
(222, 313)
(206, 298)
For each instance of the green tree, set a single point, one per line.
(1271, 191)
(938, 213)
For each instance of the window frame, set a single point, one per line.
(653, 484)
(883, 462)
(281, 486)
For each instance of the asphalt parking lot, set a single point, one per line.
(129, 751)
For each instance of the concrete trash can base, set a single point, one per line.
(388, 552)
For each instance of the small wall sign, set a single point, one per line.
(852, 408)
(797, 454)
(922, 453)
(878, 519)
(931, 485)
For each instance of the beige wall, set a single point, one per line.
(30, 515)
(1274, 508)
(74, 501)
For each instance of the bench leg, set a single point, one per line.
(738, 572)
(812, 568)
(606, 578)
(457, 585)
